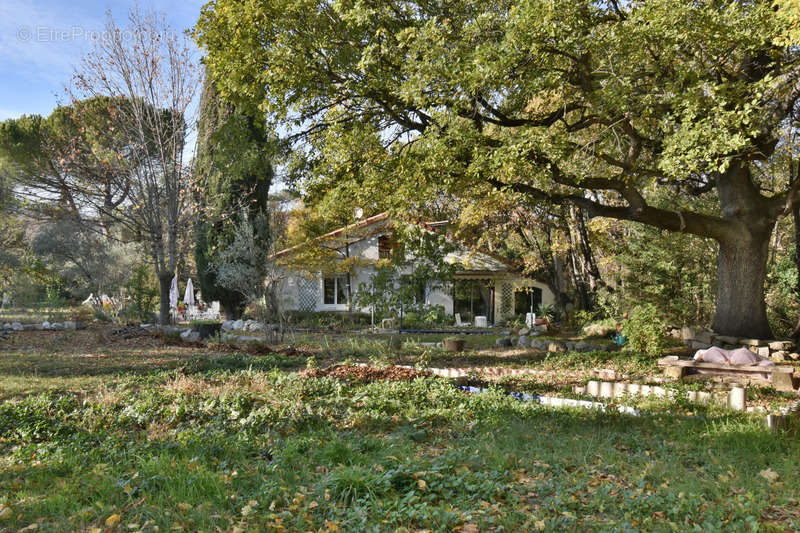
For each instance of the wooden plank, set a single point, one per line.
(690, 363)
(781, 377)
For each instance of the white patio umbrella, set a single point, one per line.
(188, 294)
(173, 293)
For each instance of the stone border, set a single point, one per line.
(67, 325)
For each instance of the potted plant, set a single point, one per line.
(454, 344)
(207, 328)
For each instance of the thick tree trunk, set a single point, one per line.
(165, 282)
(741, 271)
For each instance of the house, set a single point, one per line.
(483, 284)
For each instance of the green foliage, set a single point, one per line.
(546, 311)
(654, 107)
(229, 437)
(644, 330)
(143, 289)
(675, 272)
(326, 319)
(235, 171)
(782, 297)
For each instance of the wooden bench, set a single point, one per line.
(781, 377)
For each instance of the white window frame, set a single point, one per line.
(337, 304)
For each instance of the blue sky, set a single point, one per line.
(41, 43)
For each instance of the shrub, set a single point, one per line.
(411, 320)
(644, 329)
(143, 289)
(546, 311)
(326, 319)
(83, 314)
(101, 316)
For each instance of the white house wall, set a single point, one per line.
(296, 289)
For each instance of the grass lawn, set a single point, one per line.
(140, 435)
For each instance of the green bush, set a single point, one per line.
(412, 320)
(326, 319)
(644, 329)
(101, 316)
(143, 289)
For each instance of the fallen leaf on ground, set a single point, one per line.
(769, 474)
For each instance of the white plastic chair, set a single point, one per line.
(459, 323)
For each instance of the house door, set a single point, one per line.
(527, 300)
(471, 298)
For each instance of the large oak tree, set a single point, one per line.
(595, 104)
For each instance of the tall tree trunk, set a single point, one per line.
(743, 253)
(741, 271)
(165, 282)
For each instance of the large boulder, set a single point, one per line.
(16, 326)
(253, 325)
(190, 336)
(70, 325)
(524, 341)
(503, 342)
(227, 325)
(698, 345)
(238, 324)
(781, 346)
(779, 356)
(45, 325)
(598, 330)
(540, 344)
(705, 337)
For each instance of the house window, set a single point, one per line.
(385, 246)
(335, 290)
(414, 289)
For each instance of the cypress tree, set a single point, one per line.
(234, 171)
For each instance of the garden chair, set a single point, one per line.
(192, 312)
(459, 323)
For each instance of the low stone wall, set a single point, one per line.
(777, 350)
(43, 326)
(555, 346)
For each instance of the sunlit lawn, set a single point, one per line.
(96, 433)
